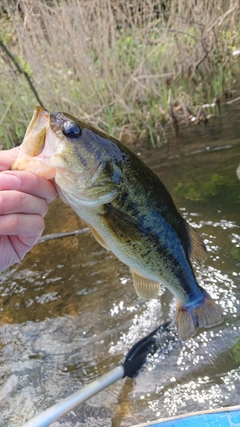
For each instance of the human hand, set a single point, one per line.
(24, 199)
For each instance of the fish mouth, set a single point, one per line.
(33, 144)
(34, 139)
(39, 121)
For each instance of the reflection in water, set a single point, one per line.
(69, 312)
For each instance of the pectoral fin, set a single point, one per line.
(124, 227)
(145, 288)
(198, 250)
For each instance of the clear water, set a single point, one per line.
(69, 312)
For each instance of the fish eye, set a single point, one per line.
(71, 129)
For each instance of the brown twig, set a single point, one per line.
(60, 235)
(20, 70)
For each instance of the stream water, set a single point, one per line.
(69, 313)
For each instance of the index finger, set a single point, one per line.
(28, 182)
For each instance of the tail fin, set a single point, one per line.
(205, 315)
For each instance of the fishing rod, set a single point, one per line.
(159, 339)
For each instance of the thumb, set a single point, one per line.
(7, 158)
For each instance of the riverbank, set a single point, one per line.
(132, 69)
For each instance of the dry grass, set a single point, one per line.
(117, 64)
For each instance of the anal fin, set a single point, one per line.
(145, 288)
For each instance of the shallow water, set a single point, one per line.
(69, 312)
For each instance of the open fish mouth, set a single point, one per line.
(34, 138)
(30, 158)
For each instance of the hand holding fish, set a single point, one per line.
(24, 199)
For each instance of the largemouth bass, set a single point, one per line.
(127, 208)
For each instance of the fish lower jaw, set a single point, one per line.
(77, 197)
(36, 167)
(73, 198)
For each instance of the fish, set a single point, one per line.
(127, 208)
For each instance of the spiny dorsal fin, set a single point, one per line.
(145, 288)
(198, 250)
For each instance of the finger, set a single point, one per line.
(28, 182)
(7, 158)
(15, 248)
(22, 203)
(21, 225)
(22, 245)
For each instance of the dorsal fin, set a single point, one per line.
(198, 250)
(145, 288)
